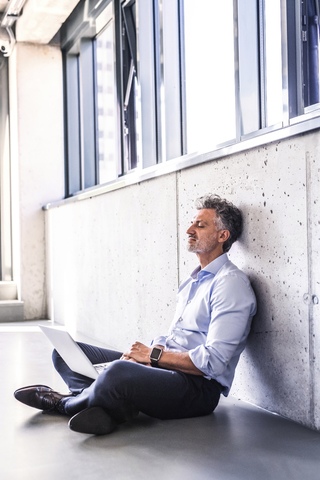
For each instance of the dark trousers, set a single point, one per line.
(159, 393)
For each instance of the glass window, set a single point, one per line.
(5, 176)
(209, 73)
(310, 48)
(273, 62)
(130, 88)
(106, 106)
(193, 76)
(249, 67)
(72, 124)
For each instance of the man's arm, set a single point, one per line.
(181, 361)
(232, 306)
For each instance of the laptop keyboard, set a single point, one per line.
(99, 367)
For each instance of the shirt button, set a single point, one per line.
(189, 301)
(174, 338)
(180, 319)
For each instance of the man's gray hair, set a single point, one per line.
(228, 216)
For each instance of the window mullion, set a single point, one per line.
(147, 80)
(236, 70)
(292, 86)
(183, 106)
(72, 123)
(6, 273)
(262, 53)
(158, 30)
(171, 78)
(122, 168)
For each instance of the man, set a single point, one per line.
(182, 374)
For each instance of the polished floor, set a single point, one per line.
(238, 441)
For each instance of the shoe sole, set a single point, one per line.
(92, 421)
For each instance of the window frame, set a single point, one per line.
(109, 21)
(153, 19)
(6, 261)
(80, 97)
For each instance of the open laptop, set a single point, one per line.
(71, 353)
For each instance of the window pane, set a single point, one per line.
(130, 88)
(5, 193)
(209, 72)
(273, 62)
(73, 123)
(88, 143)
(106, 107)
(249, 74)
(310, 48)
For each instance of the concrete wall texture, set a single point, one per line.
(116, 261)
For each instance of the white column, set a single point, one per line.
(36, 111)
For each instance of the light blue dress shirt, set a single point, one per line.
(215, 307)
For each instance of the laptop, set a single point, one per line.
(71, 353)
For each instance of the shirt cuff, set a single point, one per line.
(200, 359)
(207, 360)
(159, 341)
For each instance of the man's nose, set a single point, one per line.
(190, 229)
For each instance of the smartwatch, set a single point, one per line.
(155, 356)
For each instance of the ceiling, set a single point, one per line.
(3, 5)
(41, 19)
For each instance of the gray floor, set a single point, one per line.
(238, 441)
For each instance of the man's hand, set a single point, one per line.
(125, 357)
(138, 353)
(181, 361)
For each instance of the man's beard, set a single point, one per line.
(195, 247)
(202, 246)
(192, 247)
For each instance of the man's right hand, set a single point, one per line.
(126, 357)
(138, 347)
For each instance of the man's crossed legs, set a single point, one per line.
(123, 388)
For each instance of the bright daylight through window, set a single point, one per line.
(209, 74)
(149, 81)
(106, 106)
(273, 62)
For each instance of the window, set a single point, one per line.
(102, 95)
(129, 85)
(272, 63)
(209, 74)
(106, 102)
(148, 81)
(80, 117)
(310, 10)
(5, 180)
(303, 59)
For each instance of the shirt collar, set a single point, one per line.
(212, 267)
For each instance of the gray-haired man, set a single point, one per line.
(183, 373)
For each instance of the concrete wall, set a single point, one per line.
(36, 113)
(116, 261)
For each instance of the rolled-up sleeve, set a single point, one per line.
(232, 307)
(161, 340)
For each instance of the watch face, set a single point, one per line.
(155, 354)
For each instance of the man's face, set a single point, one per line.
(203, 233)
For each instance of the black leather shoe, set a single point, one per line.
(124, 414)
(92, 420)
(41, 397)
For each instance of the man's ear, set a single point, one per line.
(223, 236)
